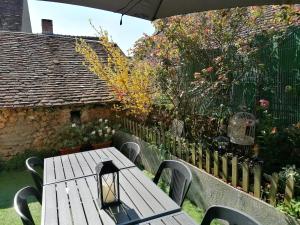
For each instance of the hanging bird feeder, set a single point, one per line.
(241, 128)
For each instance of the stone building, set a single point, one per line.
(43, 86)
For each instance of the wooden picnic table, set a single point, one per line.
(72, 166)
(72, 200)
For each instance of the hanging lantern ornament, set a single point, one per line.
(108, 184)
(241, 128)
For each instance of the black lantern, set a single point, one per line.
(108, 184)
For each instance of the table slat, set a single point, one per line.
(49, 172)
(179, 218)
(72, 166)
(67, 167)
(77, 201)
(158, 194)
(64, 211)
(59, 171)
(49, 206)
(76, 167)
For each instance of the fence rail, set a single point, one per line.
(239, 173)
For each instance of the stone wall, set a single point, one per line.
(206, 190)
(30, 128)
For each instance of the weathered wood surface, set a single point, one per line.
(68, 167)
(74, 201)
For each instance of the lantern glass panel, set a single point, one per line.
(109, 188)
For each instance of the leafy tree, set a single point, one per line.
(199, 57)
(132, 81)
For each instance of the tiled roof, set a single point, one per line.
(44, 70)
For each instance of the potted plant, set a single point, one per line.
(70, 139)
(100, 133)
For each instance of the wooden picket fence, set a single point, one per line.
(239, 174)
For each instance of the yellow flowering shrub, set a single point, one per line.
(132, 81)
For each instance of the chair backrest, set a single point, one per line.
(38, 180)
(181, 178)
(21, 204)
(131, 150)
(232, 216)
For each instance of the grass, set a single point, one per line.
(191, 209)
(10, 183)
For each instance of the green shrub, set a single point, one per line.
(293, 208)
(279, 147)
(17, 162)
(285, 173)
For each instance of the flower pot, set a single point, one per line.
(69, 150)
(104, 144)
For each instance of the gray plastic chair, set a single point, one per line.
(181, 178)
(232, 216)
(38, 180)
(131, 150)
(21, 203)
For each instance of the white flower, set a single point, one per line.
(93, 132)
(113, 132)
(108, 129)
(85, 139)
(106, 121)
(73, 124)
(105, 135)
(100, 120)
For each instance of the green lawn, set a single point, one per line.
(191, 209)
(10, 183)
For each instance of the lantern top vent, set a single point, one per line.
(106, 166)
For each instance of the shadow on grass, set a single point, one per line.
(10, 183)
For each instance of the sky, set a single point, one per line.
(74, 20)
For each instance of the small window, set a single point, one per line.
(75, 117)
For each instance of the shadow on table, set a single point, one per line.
(122, 214)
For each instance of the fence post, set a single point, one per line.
(246, 176)
(143, 132)
(234, 172)
(216, 163)
(127, 124)
(179, 151)
(163, 137)
(257, 181)
(187, 149)
(135, 128)
(193, 148)
(124, 122)
(140, 131)
(224, 167)
(289, 189)
(173, 148)
(207, 160)
(146, 134)
(273, 188)
(158, 138)
(200, 157)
